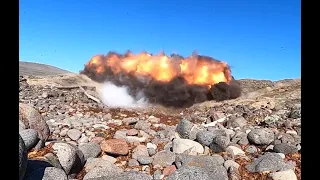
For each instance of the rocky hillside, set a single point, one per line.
(36, 69)
(67, 133)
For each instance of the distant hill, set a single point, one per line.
(37, 69)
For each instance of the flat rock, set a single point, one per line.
(115, 146)
(199, 161)
(144, 160)
(101, 163)
(196, 173)
(100, 173)
(129, 175)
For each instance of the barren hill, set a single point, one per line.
(37, 69)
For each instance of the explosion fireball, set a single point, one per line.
(170, 81)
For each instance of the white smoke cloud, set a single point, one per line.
(115, 96)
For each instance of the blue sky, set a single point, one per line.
(259, 39)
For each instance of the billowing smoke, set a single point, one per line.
(118, 96)
(170, 81)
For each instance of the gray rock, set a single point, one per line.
(218, 132)
(157, 174)
(22, 158)
(133, 162)
(66, 155)
(283, 175)
(181, 145)
(151, 151)
(109, 158)
(100, 163)
(205, 137)
(52, 159)
(230, 163)
(263, 136)
(144, 160)
(142, 125)
(129, 120)
(120, 134)
(219, 144)
(74, 134)
(47, 173)
(287, 138)
(285, 148)
(140, 150)
(30, 137)
(100, 173)
(251, 149)
(128, 175)
(268, 162)
(200, 161)
(237, 122)
(183, 128)
(240, 138)
(32, 119)
(164, 158)
(90, 150)
(196, 173)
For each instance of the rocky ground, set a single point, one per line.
(67, 135)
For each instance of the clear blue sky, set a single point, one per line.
(260, 39)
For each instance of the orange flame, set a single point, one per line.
(201, 71)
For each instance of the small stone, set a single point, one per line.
(151, 151)
(66, 155)
(230, 163)
(144, 160)
(251, 149)
(263, 136)
(63, 132)
(44, 94)
(140, 150)
(219, 144)
(115, 146)
(235, 151)
(157, 174)
(181, 145)
(283, 175)
(132, 132)
(90, 150)
(74, 134)
(133, 162)
(151, 145)
(83, 139)
(285, 148)
(238, 122)
(100, 126)
(109, 158)
(164, 158)
(142, 125)
(205, 137)
(291, 132)
(120, 134)
(169, 170)
(183, 128)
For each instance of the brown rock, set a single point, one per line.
(132, 132)
(169, 170)
(32, 119)
(115, 146)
